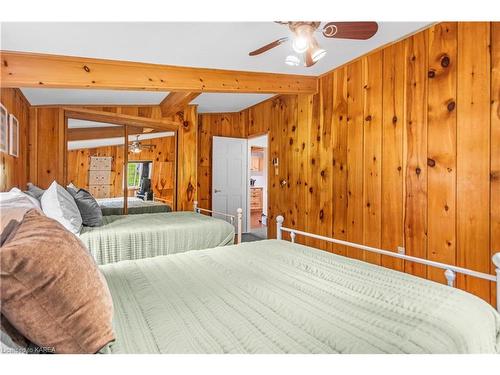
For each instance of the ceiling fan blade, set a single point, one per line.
(269, 46)
(350, 30)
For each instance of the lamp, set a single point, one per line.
(292, 60)
(317, 53)
(302, 38)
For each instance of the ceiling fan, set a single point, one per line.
(136, 146)
(305, 45)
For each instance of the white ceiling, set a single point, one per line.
(222, 45)
(215, 102)
(207, 103)
(100, 97)
(104, 142)
(101, 142)
(74, 123)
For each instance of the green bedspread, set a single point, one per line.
(278, 297)
(140, 236)
(114, 206)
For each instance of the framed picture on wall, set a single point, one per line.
(13, 136)
(4, 128)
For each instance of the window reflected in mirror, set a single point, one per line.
(151, 170)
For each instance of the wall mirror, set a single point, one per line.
(95, 161)
(128, 169)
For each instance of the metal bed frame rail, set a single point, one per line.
(239, 217)
(450, 271)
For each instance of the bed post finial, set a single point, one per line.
(195, 206)
(496, 261)
(279, 223)
(240, 220)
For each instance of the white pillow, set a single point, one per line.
(59, 205)
(15, 198)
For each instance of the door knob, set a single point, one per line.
(217, 191)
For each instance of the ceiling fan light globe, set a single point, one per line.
(318, 54)
(292, 60)
(300, 44)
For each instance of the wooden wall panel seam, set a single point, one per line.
(473, 150)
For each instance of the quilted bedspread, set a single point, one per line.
(127, 237)
(278, 297)
(114, 206)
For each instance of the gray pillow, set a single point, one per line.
(88, 206)
(34, 191)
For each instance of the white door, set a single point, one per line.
(229, 176)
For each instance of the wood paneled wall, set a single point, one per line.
(78, 167)
(47, 146)
(210, 125)
(13, 170)
(398, 148)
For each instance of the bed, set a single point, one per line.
(114, 206)
(274, 296)
(125, 237)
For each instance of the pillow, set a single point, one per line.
(10, 218)
(59, 205)
(16, 198)
(11, 340)
(51, 290)
(34, 191)
(72, 187)
(89, 208)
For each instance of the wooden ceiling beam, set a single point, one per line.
(176, 101)
(23, 69)
(85, 134)
(121, 119)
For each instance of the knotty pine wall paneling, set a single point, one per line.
(415, 148)
(78, 167)
(339, 155)
(372, 179)
(473, 153)
(187, 174)
(398, 148)
(495, 146)
(14, 170)
(355, 157)
(393, 165)
(441, 146)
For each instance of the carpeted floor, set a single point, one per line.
(250, 237)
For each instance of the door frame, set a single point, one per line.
(266, 161)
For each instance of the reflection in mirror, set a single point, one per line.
(151, 170)
(95, 162)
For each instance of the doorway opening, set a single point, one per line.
(258, 185)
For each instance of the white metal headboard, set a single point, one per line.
(239, 216)
(449, 270)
